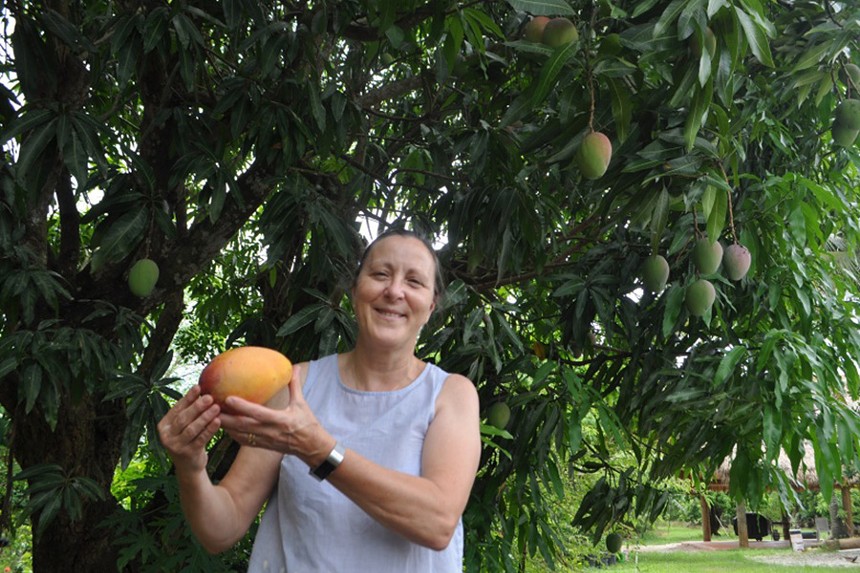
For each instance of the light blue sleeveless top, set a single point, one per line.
(310, 526)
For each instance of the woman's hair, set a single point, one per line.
(438, 278)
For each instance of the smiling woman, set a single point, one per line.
(395, 438)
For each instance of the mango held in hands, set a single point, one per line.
(250, 372)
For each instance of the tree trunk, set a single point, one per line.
(849, 510)
(85, 545)
(743, 534)
(706, 519)
(837, 525)
(85, 444)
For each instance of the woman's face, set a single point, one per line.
(394, 293)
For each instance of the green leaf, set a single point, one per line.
(659, 219)
(669, 16)
(299, 320)
(121, 238)
(550, 71)
(717, 217)
(674, 306)
(756, 37)
(622, 109)
(697, 112)
(543, 7)
(728, 363)
(772, 428)
(34, 146)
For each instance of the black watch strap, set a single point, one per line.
(331, 462)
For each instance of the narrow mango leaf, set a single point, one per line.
(543, 7)
(772, 429)
(810, 58)
(551, 69)
(121, 238)
(705, 64)
(756, 36)
(674, 302)
(299, 320)
(709, 195)
(824, 89)
(715, 6)
(622, 111)
(698, 112)
(642, 7)
(669, 16)
(717, 217)
(33, 147)
(659, 219)
(728, 363)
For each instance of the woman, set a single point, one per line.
(366, 458)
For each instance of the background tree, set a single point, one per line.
(242, 145)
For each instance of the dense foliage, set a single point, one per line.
(243, 145)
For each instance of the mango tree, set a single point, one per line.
(243, 146)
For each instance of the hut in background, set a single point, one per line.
(805, 479)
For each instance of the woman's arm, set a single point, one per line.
(425, 509)
(219, 515)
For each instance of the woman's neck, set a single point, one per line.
(378, 372)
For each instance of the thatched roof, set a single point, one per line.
(806, 478)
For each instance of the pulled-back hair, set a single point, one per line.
(438, 278)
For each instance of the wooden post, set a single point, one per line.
(743, 533)
(706, 519)
(846, 505)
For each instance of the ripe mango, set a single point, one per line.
(736, 261)
(700, 297)
(847, 114)
(499, 415)
(142, 277)
(655, 273)
(558, 32)
(533, 30)
(707, 256)
(594, 155)
(250, 372)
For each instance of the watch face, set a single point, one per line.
(331, 462)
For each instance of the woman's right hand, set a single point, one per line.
(187, 428)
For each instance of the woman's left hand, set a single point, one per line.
(285, 424)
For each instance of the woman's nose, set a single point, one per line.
(394, 289)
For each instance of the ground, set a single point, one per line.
(812, 557)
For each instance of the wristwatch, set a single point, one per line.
(331, 462)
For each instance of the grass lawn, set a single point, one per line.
(674, 532)
(734, 560)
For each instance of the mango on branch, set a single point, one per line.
(699, 297)
(142, 277)
(655, 273)
(594, 155)
(533, 30)
(847, 114)
(707, 256)
(558, 32)
(499, 415)
(736, 261)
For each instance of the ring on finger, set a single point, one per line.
(252, 439)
